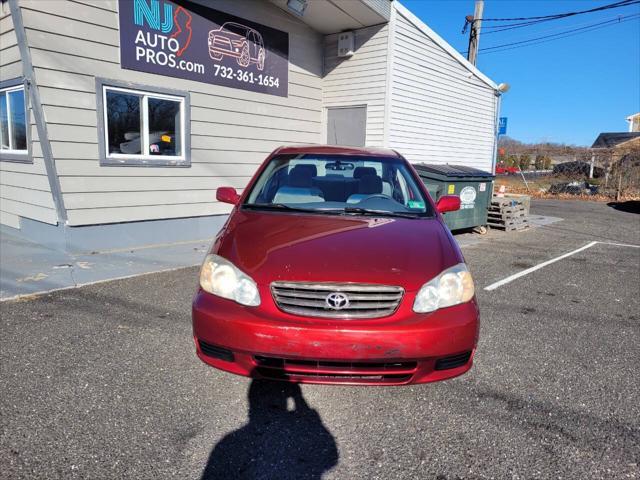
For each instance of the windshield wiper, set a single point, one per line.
(280, 206)
(380, 213)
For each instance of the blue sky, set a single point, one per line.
(567, 90)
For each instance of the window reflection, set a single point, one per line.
(18, 120)
(164, 127)
(123, 122)
(4, 122)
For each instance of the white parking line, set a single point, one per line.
(620, 244)
(515, 276)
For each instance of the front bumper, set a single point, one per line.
(405, 348)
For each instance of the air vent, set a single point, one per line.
(453, 361)
(214, 351)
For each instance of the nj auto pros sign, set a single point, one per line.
(184, 40)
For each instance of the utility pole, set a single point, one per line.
(474, 32)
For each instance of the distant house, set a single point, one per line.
(634, 122)
(617, 139)
(622, 148)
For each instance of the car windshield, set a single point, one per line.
(342, 184)
(236, 28)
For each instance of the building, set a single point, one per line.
(634, 122)
(120, 118)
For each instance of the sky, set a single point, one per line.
(567, 90)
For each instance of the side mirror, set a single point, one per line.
(227, 195)
(448, 203)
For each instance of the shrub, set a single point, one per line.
(512, 161)
(547, 162)
(525, 161)
(539, 163)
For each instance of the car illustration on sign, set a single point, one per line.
(239, 41)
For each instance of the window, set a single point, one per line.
(13, 123)
(142, 127)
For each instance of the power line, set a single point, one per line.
(529, 21)
(557, 36)
(561, 27)
(622, 3)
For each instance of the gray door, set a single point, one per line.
(347, 126)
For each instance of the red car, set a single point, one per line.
(502, 169)
(335, 266)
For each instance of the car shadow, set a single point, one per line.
(284, 439)
(631, 206)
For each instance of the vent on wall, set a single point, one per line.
(346, 44)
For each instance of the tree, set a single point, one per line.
(512, 161)
(525, 161)
(547, 162)
(539, 163)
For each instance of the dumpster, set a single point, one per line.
(473, 186)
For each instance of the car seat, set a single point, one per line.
(369, 185)
(299, 188)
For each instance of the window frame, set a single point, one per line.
(142, 160)
(17, 156)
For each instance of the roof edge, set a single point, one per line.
(443, 44)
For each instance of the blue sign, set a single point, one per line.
(502, 126)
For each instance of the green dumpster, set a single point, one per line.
(473, 186)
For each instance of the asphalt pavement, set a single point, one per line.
(102, 381)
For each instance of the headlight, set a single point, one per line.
(221, 277)
(451, 287)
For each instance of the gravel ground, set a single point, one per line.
(102, 381)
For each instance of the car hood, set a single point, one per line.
(273, 246)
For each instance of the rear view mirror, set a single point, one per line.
(448, 203)
(227, 195)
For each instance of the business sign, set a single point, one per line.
(502, 126)
(184, 40)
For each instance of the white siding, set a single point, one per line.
(360, 79)
(232, 130)
(440, 111)
(24, 187)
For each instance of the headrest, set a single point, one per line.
(302, 175)
(370, 184)
(360, 172)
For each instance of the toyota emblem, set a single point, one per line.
(337, 301)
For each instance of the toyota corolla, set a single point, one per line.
(335, 266)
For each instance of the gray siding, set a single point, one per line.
(440, 112)
(24, 187)
(232, 130)
(360, 79)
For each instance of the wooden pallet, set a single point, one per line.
(509, 226)
(495, 216)
(505, 209)
(507, 214)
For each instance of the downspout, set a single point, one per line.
(391, 34)
(38, 112)
(496, 135)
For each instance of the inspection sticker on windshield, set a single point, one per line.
(415, 204)
(452, 189)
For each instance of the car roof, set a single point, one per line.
(336, 150)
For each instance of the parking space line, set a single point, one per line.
(515, 276)
(620, 244)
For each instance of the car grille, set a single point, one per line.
(310, 299)
(324, 371)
